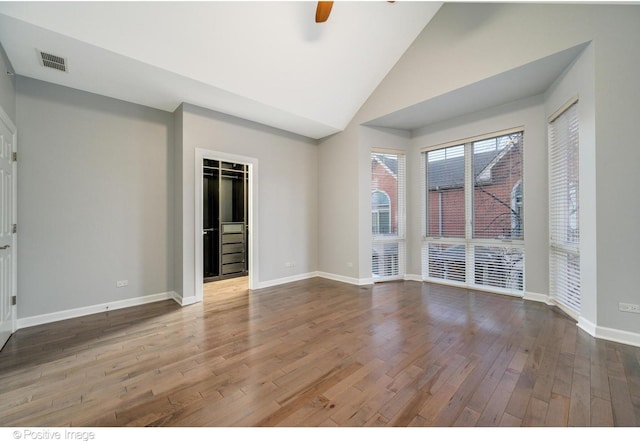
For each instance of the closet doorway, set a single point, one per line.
(252, 264)
(225, 221)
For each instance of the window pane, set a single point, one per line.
(501, 267)
(445, 192)
(565, 278)
(387, 215)
(497, 194)
(384, 192)
(380, 213)
(446, 262)
(385, 259)
(385, 223)
(564, 209)
(564, 175)
(474, 201)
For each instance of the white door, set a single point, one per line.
(7, 236)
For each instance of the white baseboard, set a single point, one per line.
(601, 332)
(283, 280)
(336, 277)
(611, 334)
(413, 277)
(345, 279)
(587, 326)
(35, 320)
(537, 297)
(184, 301)
(619, 336)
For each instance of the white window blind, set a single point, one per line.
(473, 217)
(564, 210)
(387, 215)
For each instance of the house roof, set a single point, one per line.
(388, 161)
(449, 173)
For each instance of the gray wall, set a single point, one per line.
(338, 196)
(95, 191)
(288, 182)
(466, 43)
(7, 86)
(345, 189)
(617, 94)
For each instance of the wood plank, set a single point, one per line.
(558, 411)
(580, 407)
(601, 413)
(468, 418)
(318, 353)
(509, 420)
(494, 410)
(536, 413)
(621, 404)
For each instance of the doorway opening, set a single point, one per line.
(225, 222)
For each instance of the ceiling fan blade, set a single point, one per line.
(322, 11)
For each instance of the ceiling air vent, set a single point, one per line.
(53, 61)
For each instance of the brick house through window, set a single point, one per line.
(495, 199)
(385, 259)
(384, 194)
(497, 193)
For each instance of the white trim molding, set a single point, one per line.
(253, 270)
(587, 326)
(283, 280)
(537, 297)
(548, 300)
(310, 275)
(413, 277)
(35, 320)
(600, 332)
(610, 334)
(184, 301)
(4, 117)
(345, 279)
(618, 336)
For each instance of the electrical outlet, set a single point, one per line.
(350, 264)
(629, 307)
(121, 283)
(289, 264)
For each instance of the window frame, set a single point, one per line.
(378, 211)
(399, 236)
(565, 252)
(469, 242)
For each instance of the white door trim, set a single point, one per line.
(253, 267)
(14, 240)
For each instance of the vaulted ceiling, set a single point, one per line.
(268, 62)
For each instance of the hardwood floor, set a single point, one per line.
(320, 353)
